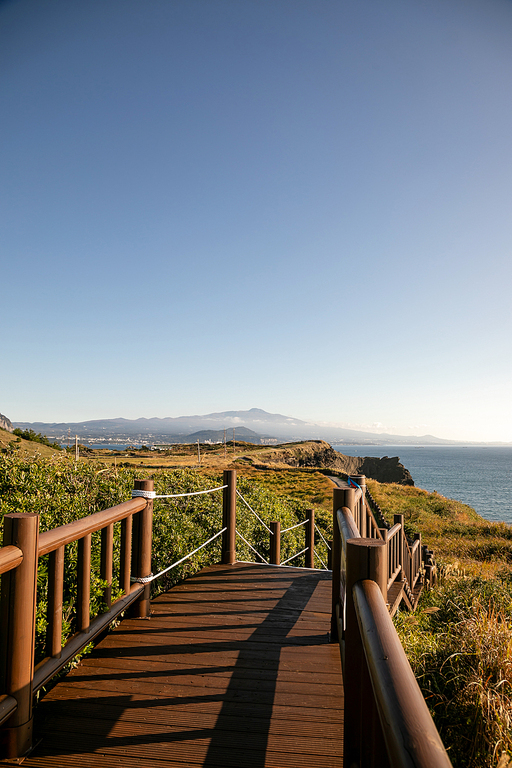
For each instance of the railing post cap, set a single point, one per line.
(23, 515)
(359, 542)
(144, 485)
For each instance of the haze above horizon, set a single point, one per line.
(299, 204)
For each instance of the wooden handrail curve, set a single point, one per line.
(65, 534)
(10, 557)
(411, 738)
(8, 706)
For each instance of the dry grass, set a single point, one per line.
(24, 448)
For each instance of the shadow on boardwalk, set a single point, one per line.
(233, 669)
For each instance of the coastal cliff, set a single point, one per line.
(6, 423)
(318, 453)
(384, 470)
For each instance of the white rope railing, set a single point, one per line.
(251, 547)
(324, 565)
(149, 579)
(284, 530)
(254, 513)
(321, 536)
(294, 556)
(152, 494)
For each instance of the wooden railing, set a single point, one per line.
(308, 551)
(386, 721)
(23, 546)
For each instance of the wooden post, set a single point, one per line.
(229, 517)
(19, 587)
(385, 536)
(141, 549)
(126, 547)
(275, 543)
(417, 537)
(83, 597)
(362, 522)
(310, 538)
(366, 559)
(107, 547)
(348, 500)
(338, 501)
(400, 519)
(329, 555)
(54, 613)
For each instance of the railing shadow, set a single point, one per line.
(274, 632)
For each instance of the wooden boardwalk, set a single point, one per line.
(234, 668)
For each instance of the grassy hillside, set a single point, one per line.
(461, 539)
(233, 455)
(24, 448)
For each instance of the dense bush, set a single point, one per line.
(35, 437)
(60, 491)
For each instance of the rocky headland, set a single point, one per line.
(319, 454)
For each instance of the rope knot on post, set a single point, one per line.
(138, 493)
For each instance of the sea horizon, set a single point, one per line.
(480, 476)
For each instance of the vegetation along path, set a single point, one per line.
(234, 668)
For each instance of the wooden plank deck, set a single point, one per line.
(234, 668)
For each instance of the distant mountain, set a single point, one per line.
(183, 428)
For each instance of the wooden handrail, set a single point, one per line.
(394, 553)
(8, 706)
(347, 525)
(409, 732)
(65, 534)
(394, 530)
(10, 557)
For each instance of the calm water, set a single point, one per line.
(108, 446)
(480, 477)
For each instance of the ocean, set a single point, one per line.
(479, 476)
(108, 446)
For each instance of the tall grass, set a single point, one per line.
(459, 644)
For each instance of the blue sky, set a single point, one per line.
(303, 206)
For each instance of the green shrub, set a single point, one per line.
(61, 491)
(35, 437)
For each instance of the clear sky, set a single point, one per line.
(303, 206)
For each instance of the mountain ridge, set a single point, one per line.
(264, 424)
